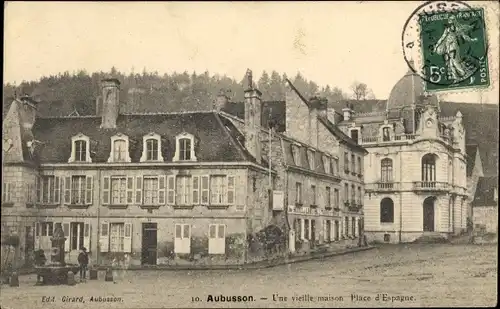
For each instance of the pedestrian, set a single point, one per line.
(83, 260)
(114, 267)
(40, 260)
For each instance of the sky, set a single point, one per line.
(333, 43)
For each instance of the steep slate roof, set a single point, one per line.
(471, 151)
(304, 159)
(485, 192)
(213, 143)
(271, 110)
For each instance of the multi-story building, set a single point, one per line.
(415, 171)
(173, 188)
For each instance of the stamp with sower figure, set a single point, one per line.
(451, 40)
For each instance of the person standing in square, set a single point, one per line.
(83, 260)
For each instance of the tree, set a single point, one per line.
(360, 90)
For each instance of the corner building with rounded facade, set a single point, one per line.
(415, 172)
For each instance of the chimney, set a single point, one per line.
(221, 101)
(27, 111)
(347, 110)
(252, 118)
(110, 107)
(330, 114)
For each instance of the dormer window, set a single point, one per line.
(119, 149)
(184, 150)
(386, 134)
(151, 148)
(80, 150)
(296, 154)
(310, 157)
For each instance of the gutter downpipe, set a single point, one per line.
(400, 196)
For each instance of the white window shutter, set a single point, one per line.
(161, 189)
(196, 190)
(67, 190)
(38, 189)
(88, 192)
(37, 236)
(86, 236)
(104, 237)
(65, 227)
(138, 190)
(105, 190)
(127, 239)
(230, 190)
(205, 185)
(130, 190)
(57, 190)
(171, 189)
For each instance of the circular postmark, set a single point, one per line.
(445, 44)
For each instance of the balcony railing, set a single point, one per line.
(392, 138)
(431, 186)
(382, 186)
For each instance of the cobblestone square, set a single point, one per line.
(402, 276)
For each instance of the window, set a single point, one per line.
(151, 150)
(182, 241)
(346, 162)
(296, 154)
(217, 189)
(387, 210)
(48, 190)
(306, 229)
(336, 198)
(355, 135)
(216, 239)
(7, 192)
(80, 151)
(313, 192)
(118, 190)
(386, 134)
(119, 148)
(346, 192)
(353, 193)
(184, 150)
(44, 229)
(78, 190)
(311, 157)
(117, 237)
(328, 197)
(353, 226)
(298, 193)
(183, 190)
(386, 170)
(327, 164)
(76, 235)
(31, 193)
(429, 167)
(353, 162)
(346, 228)
(360, 167)
(151, 186)
(360, 196)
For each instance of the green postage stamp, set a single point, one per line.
(454, 49)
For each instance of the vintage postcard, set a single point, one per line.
(250, 154)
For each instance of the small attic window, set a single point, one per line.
(327, 164)
(311, 158)
(151, 148)
(184, 147)
(80, 149)
(119, 149)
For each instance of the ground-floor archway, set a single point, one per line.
(429, 214)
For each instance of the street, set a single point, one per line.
(401, 276)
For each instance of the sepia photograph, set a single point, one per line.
(252, 154)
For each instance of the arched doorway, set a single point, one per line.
(428, 217)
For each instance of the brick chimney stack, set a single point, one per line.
(110, 107)
(253, 111)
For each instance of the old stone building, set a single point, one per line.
(416, 181)
(178, 188)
